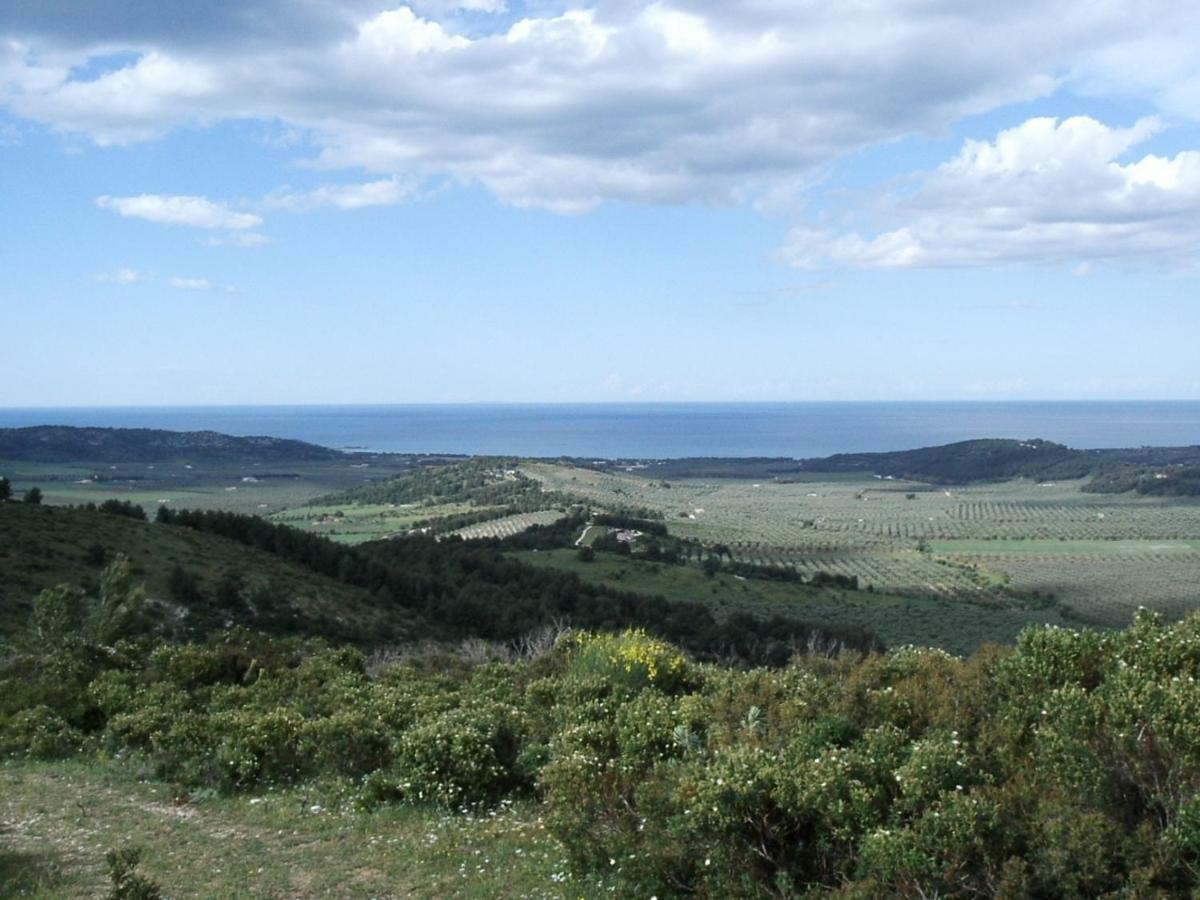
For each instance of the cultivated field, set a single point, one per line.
(1094, 557)
(353, 524)
(507, 526)
(956, 624)
(250, 487)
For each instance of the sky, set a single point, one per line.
(308, 201)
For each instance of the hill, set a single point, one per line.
(990, 459)
(1141, 469)
(210, 571)
(62, 443)
(204, 581)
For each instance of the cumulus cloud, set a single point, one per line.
(384, 192)
(197, 212)
(672, 101)
(190, 284)
(1044, 191)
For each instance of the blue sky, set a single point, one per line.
(692, 200)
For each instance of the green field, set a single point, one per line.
(1099, 556)
(251, 487)
(355, 523)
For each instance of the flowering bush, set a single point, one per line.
(630, 659)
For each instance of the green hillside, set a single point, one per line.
(222, 581)
(60, 443)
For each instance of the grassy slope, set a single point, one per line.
(957, 626)
(41, 546)
(59, 819)
(365, 522)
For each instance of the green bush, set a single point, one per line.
(40, 733)
(463, 757)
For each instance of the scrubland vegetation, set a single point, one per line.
(1066, 766)
(562, 681)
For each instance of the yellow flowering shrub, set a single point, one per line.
(631, 658)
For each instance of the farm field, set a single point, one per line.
(251, 487)
(958, 625)
(506, 526)
(354, 523)
(1098, 555)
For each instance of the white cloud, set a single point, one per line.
(439, 8)
(197, 212)
(1044, 191)
(191, 284)
(385, 192)
(673, 101)
(122, 276)
(240, 239)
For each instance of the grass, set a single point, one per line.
(59, 819)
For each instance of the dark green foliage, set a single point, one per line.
(184, 587)
(966, 461)
(63, 615)
(468, 589)
(991, 459)
(41, 546)
(59, 443)
(5, 489)
(114, 507)
(1066, 767)
(1171, 481)
(126, 882)
(33, 495)
(631, 523)
(481, 481)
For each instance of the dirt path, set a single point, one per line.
(57, 821)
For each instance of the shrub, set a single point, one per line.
(40, 733)
(126, 882)
(631, 659)
(463, 757)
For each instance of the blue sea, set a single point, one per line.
(660, 430)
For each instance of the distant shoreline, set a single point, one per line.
(662, 430)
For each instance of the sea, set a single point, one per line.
(659, 430)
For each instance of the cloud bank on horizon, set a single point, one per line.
(569, 106)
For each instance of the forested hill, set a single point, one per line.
(62, 443)
(990, 459)
(1173, 471)
(1148, 470)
